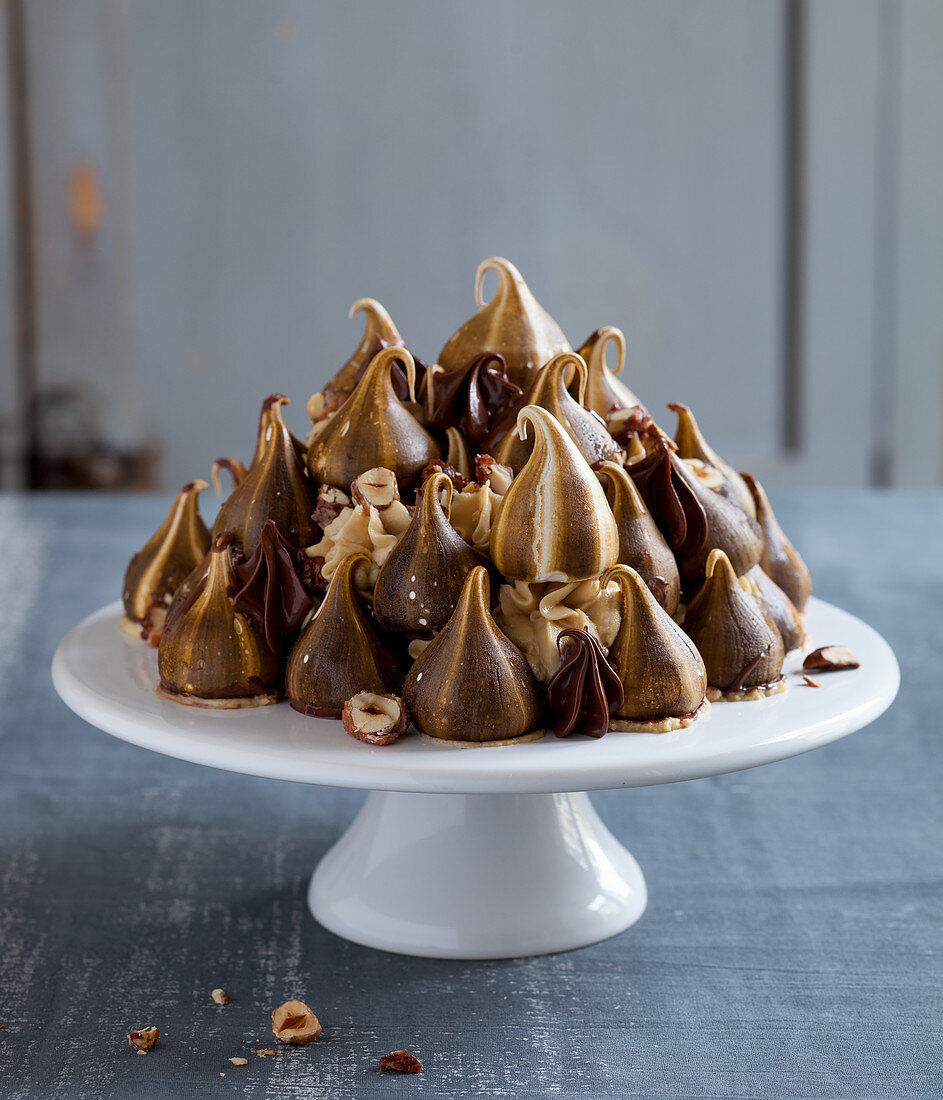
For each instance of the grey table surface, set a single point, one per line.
(792, 947)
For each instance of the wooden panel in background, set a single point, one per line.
(10, 420)
(914, 431)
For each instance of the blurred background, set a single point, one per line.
(193, 192)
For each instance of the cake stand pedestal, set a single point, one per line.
(480, 852)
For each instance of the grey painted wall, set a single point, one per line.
(264, 165)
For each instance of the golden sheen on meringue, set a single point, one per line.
(662, 673)
(379, 331)
(420, 582)
(210, 654)
(513, 324)
(470, 683)
(155, 572)
(549, 391)
(692, 444)
(641, 543)
(275, 488)
(339, 653)
(554, 523)
(780, 559)
(604, 392)
(374, 428)
(741, 647)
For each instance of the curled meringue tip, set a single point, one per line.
(274, 402)
(376, 312)
(563, 368)
(429, 494)
(596, 348)
(717, 559)
(197, 485)
(382, 364)
(507, 273)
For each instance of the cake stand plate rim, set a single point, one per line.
(107, 679)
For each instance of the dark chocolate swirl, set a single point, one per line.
(269, 591)
(584, 690)
(663, 486)
(473, 397)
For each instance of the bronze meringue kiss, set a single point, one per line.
(742, 649)
(604, 392)
(554, 523)
(692, 445)
(373, 428)
(211, 655)
(549, 391)
(339, 653)
(641, 543)
(420, 582)
(157, 569)
(513, 324)
(780, 559)
(662, 673)
(275, 488)
(471, 684)
(379, 332)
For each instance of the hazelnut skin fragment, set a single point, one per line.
(375, 719)
(400, 1061)
(831, 658)
(293, 1022)
(144, 1039)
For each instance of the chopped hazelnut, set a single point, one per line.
(323, 405)
(709, 476)
(831, 658)
(809, 682)
(330, 502)
(239, 1061)
(220, 996)
(376, 719)
(294, 1022)
(266, 1052)
(441, 467)
(500, 476)
(143, 1040)
(376, 488)
(400, 1061)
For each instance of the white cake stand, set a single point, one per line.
(478, 853)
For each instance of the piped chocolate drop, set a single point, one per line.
(269, 591)
(512, 324)
(471, 398)
(420, 582)
(661, 671)
(275, 488)
(641, 543)
(373, 429)
(692, 444)
(554, 523)
(585, 690)
(339, 653)
(780, 559)
(169, 555)
(549, 391)
(604, 392)
(470, 683)
(209, 653)
(741, 647)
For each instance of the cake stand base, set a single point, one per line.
(477, 876)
